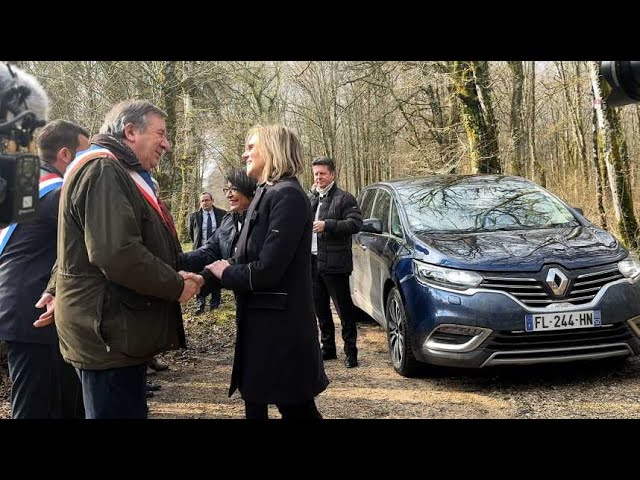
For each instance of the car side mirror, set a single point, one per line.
(372, 225)
(579, 210)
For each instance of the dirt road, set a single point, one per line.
(197, 382)
(196, 386)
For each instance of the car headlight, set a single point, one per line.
(630, 268)
(460, 279)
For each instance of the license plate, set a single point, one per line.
(544, 322)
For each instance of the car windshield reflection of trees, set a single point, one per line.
(481, 204)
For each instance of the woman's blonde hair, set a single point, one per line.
(280, 149)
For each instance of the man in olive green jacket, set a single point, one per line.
(116, 286)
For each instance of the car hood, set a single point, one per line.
(522, 250)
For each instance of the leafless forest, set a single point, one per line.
(379, 120)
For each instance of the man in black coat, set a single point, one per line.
(336, 217)
(202, 224)
(43, 384)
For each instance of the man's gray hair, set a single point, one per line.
(129, 111)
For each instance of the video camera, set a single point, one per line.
(624, 80)
(23, 107)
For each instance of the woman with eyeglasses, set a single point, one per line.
(277, 358)
(239, 190)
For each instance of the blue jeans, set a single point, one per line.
(43, 384)
(115, 392)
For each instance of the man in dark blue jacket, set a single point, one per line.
(43, 384)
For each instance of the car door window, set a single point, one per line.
(381, 209)
(396, 226)
(366, 202)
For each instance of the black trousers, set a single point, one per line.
(214, 302)
(43, 384)
(115, 392)
(336, 288)
(299, 411)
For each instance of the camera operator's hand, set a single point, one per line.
(47, 318)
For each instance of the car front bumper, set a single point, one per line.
(502, 320)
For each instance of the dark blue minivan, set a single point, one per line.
(482, 270)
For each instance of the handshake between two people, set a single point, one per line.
(193, 283)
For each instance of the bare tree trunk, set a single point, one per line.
(482, 149)
(579, 123)
(577, 146)
(554, 149)
(596, 165)
(614, 149)
(166, 174)
(483, 87)
(517, 134)
(537, 169)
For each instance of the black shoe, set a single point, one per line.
(213, 307)
(150, 394)
(152, 387)
(350, 362)
(200, 311)
(329, 354)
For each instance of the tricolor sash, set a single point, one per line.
(150, 196)
(84, 156)
(48, 183)
(145, 189)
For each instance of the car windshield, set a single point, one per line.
(468, 204)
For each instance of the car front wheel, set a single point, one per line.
(402, 357)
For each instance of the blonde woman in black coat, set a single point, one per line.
(277, 358)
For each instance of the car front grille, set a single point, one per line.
(511, 348)
(559, 339)
(531, 290)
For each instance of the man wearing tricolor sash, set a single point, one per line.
(43, 384)
(116, 286)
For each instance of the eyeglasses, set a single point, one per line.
(232, 190)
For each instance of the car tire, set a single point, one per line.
(400, 349)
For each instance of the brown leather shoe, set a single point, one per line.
(158, 366)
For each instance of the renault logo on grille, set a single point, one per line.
(557, 281)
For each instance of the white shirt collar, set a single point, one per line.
(324, 191)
